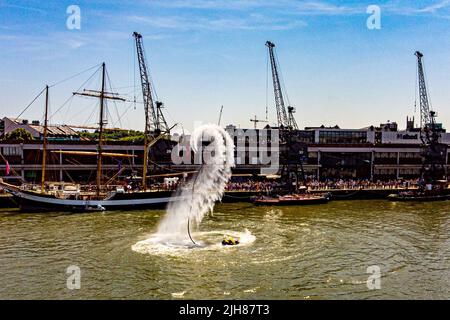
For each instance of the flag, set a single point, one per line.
(8, 168)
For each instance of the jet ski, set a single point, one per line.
(229, 240)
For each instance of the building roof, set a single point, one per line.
(56, 130)
(38, 129)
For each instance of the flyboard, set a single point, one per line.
(228, 240)
(206, 189)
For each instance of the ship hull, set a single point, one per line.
(418, 198)
(27, 201)
(291, 201)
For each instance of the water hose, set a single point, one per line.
(190, 209)
(189, 233)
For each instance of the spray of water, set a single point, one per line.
(205, 188)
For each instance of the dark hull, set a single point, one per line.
(290, 202)
(129, 201)
(7, 201)
(419, 198)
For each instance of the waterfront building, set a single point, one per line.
(376, 153)
(36, 129)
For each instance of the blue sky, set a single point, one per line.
(204, 54)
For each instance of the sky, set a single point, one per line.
(203, 54)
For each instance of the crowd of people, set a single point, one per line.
(268, 185)
(328, 184)
(252, 185)
(354, 184)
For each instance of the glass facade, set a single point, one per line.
(345, 165)
(342, 137)
(305, 136)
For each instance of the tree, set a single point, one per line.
(19, 134)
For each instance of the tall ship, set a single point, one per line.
(62, 196)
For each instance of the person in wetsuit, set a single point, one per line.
(230, 241)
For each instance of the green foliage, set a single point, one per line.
(19, 134)
(139, 138)
(115, 135)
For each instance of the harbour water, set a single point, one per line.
(309, 252)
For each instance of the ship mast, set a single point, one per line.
(100, 132)
(102, 95)
(44, 142)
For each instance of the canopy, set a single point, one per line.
(95, 153)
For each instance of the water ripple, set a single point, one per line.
(311, 252)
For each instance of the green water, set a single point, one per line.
(311, 252)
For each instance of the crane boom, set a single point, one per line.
(279, 101)
(149, 107)
(425, 119)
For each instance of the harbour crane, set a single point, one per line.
(154, 118)
(220, 115)
(155, 122)
(285, 118)
(292, 151)
(433, 152)
(256, 121)
(425, 116)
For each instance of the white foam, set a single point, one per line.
(207, 241)
(199, 198)
(205, 188)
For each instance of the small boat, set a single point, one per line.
(419, 197)
(438, 191)
(292, 200)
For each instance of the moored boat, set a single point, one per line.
(291, 200)
(438, 191)
(419, 198)
(76, 201)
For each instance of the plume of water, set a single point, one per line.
(199, 195)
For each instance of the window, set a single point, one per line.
(342, 137)
(11, 151)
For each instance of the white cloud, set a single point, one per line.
(217, 4)
(435, 7)
(74, 43)
(324, 8)
(306, 7)
(27, 8)
(399, 8)
(251, 22)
